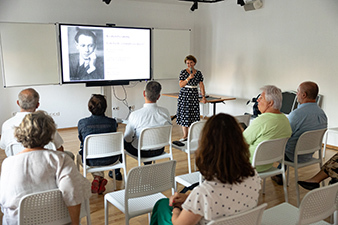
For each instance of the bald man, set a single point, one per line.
(308, 116)
(28, 101)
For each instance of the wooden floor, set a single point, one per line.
(274, 194)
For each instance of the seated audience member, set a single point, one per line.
(98, 123)
(36, 169)
(308, 116)
(28, 101)
(231, 185)
(329, 169)
(271, 124)
(151, 115)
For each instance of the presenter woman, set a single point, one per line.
(188, 110)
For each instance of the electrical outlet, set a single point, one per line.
(116, 108)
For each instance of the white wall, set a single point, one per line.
(68, 103)
(284, 43)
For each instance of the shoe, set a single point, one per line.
(183, 139)
(277, 179)
(95, 185)
(117, 175)
(102, 187)
(333, 181)
(308, 185)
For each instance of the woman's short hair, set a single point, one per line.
(223, 153)
(35, 130)
(273, 93)
(190, 57)
(97, 104)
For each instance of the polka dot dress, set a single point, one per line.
(213, 199)
(188, 110)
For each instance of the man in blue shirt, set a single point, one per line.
(308, 116)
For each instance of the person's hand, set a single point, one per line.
(177, 199)
(204, 100)
(92, 60)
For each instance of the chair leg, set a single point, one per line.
(288, 176)
(264, 186)
(189, 163)
(87, 207)
(285, 188)
(106, 212)
(114, 178)
(297, 187)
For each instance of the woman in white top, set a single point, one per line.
(231, 184)
(37, 169)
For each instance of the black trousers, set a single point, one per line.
(146, 154)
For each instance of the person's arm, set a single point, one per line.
(74, 213)
(184, 217)
(92, 61)
(204, 100)
(177, 199)
(130, 131)
(253, 131)
(183, 83)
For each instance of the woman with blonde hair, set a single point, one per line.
(37, 169)
(231, 184)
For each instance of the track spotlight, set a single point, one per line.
(194, 6)
(107, 1)
(240, 2)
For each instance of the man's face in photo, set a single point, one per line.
(85, 46)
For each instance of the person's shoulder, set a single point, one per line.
(83, 120)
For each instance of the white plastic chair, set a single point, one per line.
(316, 205)
(192, 141)
(143, 189)
(309, 142)
(189, 179)
(154, 138)
(47, 207)
(250, 217)
(268, 152)
(99, 146)
(332, 130)
(16, 147)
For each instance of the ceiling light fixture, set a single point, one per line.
(195, 4)
(107, 1)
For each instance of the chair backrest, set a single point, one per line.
(195, 130)
(270, 151)
(250, 217)
(310, 142)
(103, 145)
(150, 179)
(155, 137)
(289, 102)
(243, 119)
(46, 207)
(318, 204)
(16, 147)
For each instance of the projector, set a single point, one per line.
(252, 5)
